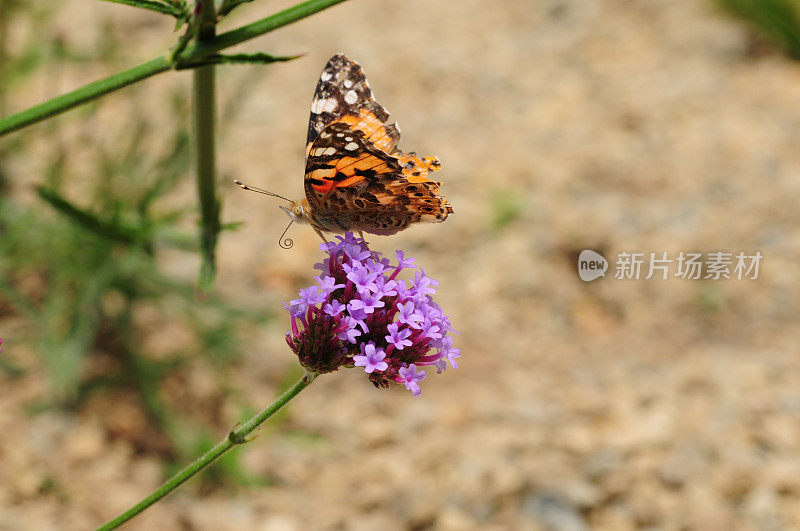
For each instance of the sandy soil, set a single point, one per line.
(617, 126)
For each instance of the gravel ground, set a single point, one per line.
(618, 404)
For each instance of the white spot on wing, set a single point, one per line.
(326, 76)
(324, 105)
(351, 146)
(330, 105)
(348, 83)
(351, 97)
(320, 152)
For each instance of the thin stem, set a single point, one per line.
(259, 27)
(82, 95)
(238, 436)
(204, 110)
(160, 64)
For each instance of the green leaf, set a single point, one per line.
(152, 5)
(229, 5)
(232, 226)
(88, 220)
(240, 58)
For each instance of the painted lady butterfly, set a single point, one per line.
(356, 178)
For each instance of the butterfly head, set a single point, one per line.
(298, 211)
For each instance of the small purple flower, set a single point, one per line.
(328, 285)
(403, 293)
(355, 249)
(371, 359)
(449, 352)
(360, 317)
(330, 247)
(334, 308)
(398, 337)
(423, 284)
(362, 314)
(296, 307)
(383, 287)
(348, 330)
(402, 261)
(411, 378)
(375, 268)
(408, 314)
(312, 296)
(367, 303)
(360, 277)
(431, 329)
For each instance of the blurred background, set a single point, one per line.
(562, 125)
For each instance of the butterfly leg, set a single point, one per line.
(374, 253)
(320, 234)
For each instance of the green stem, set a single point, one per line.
(238, 436)
(160, 64)
(82, 95)
(259, 27)
(204, 110)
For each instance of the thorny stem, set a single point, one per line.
(237, 436)
(204, 111)
(194, 51)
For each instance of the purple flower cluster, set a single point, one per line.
(362, 314)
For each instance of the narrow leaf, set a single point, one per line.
(241, 58)
(152, 5)
(87, 219)
(229, 5)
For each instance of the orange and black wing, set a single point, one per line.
(356, 177)
(352, 185)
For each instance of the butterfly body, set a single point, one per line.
(356, 178)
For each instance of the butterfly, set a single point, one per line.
(356, 177)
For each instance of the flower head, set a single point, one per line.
(361, 314)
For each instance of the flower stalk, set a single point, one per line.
(204, 111)
(235, 437)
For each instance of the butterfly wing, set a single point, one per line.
(356, 177)
(351, 184)
(343, 94)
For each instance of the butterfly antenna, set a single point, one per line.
(287, 243)
(260, 191)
